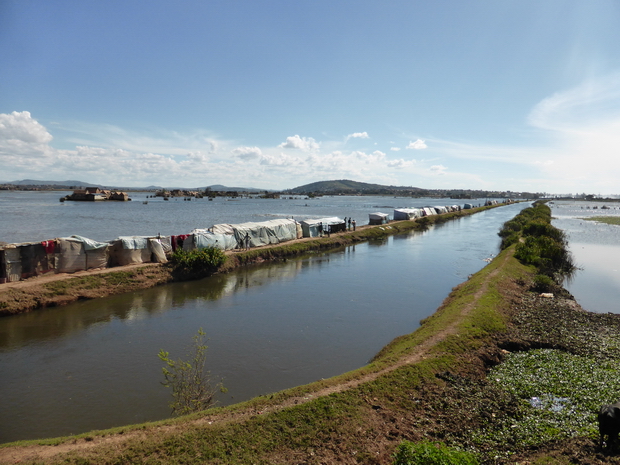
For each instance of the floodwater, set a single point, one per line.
(38, 216)
(94, 364)
(596, 251)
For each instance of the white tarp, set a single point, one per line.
(256, 234)
(129, 250)
(407, 213)
(202, 239)
(266, 232)
(428, 211)
(158, 250)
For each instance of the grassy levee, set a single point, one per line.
(358, 417)
(14, 300)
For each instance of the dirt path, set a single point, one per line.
(42, 452)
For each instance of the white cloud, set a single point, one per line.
(400, 163)
(417, 145)
(19, 127)
(395, 149)
(248, 153)
(301, 143)
(358, 135)
(438, 169)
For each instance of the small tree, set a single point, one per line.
(190, 382)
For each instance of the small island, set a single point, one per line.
(91, 194)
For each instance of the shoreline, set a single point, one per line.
(431, 384)
(57, 289)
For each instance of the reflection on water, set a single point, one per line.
(596, 251)
(94, 364)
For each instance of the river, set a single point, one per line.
(94, 364)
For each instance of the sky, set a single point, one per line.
(519, 95)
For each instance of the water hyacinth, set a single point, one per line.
(561, 394)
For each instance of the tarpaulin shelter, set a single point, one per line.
(378, 218)
(310, 227)
(129, 250)
(10, 264)
(255, 234)
(203, 238)
(428, 211)
(77, 253)
(406, 213)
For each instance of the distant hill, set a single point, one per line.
(33, 182)
(345, 186)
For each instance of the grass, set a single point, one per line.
(604, 219)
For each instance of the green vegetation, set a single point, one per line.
(604, 219)
(191, 385)
(429, 453)
(539, 244)
(197, 263)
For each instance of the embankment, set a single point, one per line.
(60, 289)
(438, 384)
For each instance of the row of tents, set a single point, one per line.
(77, 253)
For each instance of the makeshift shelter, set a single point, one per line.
(428, 211)
(203, 238)
(33, 258)
(311, 226)
(467, 206)
(378, 218)
(10, 264)
(266, 232)
(128, 250)
(440, 209)
(255, 234)
(406, 213)
(78, 253)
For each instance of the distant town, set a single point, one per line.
(316, 189)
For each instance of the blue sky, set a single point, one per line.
(510, 95)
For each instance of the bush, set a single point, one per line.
(190, 382)
(197, 263)
(544, 283)
(428, 453)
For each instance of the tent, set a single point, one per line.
(258, 233)
(406, 213)
(10, 264)
(266, 232)
(77, 253)
(378, 218)
(310, 226)
(127, 250)
(203, 238)
(428, 211)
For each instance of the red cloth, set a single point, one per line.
(49, 246)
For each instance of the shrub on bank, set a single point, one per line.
(429, 453)
(539, 243)
(197, 263)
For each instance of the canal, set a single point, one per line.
(94, 364)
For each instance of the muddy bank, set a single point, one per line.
(53, 290)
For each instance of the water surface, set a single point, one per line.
(94, 364)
